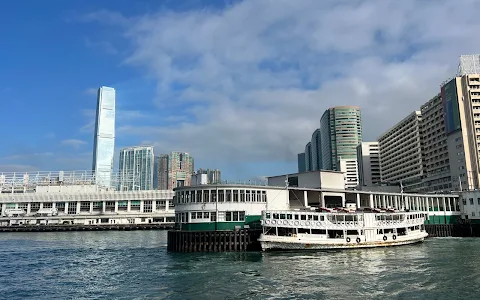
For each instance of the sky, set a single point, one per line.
(240, 85)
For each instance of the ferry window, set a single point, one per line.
(275, 216)
(282, 216)
(194, 216)
(206, 215)
(322, 218)
(229, 196)
(264, 196)
(228, 216)
(235, 196)
(464, 201)
(303, 217)
(241, 216)
(221, 196)
(471, 201)
(206, 196)
(248, 196)
(267, 215)
(199, 215)
(235, 216)
(289, 216)
(296, 217)
(214, 196)
(310, 217)
(259, 199)
(478, 199)
(213, 216)
(242, 196)
(315, 218)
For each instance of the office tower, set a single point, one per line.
(161, 172)
(435, 148)
(368, 159)
(301, 162)
(401, 153)
(308, 157)
(214, 176)
(461, 101)
(316, 150)
(136, 168)
(104, 137)
(341, 132)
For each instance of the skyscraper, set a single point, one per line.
(160, 179)
(341, 132)
(179, 170)
(301, 162)
(136, 168)
(104, 138)
(316, 150)
(368, 159)
(214, 176)
(308, 157)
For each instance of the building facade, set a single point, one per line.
(461, 100)
(160, 174)
(401, 153)
(435, 147)
(349, 168)
(301, 162)
(136, 168)
(341, 132)
(316, 151)
(308, 157)
(178, 170)
(368, 159)
(104, 137)
(214, 176)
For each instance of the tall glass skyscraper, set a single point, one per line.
(341, 132)
(136, 168)
(104, 138)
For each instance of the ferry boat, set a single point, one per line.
(340, 229)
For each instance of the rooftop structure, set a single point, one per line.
(469, 64)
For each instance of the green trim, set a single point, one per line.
(252, 221)
(442, 220)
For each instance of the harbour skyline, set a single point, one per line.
(248, 98)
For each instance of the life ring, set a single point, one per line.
(290, 223)
(302, 223)
(307, 223)
(394, 237)
(285, 222)
(348, 240)
(384, 237)
(296, 223)
(274, 222)
(358, 240)
(267, 222)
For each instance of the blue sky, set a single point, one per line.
(240, 85)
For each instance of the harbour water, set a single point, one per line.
(136, 265)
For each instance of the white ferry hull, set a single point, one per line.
(274, 243)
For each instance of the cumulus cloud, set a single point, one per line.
(256, 76)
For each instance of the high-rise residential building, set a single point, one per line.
(136, 168)
(341, 132)
(104, 137)
(179, 170)
(316, 151)
(461, 101)
(160, 174)
(435, 148)
(368, 159)
(308, 157)
(349, 168)
(214, 176)
(401, 153)
(301, 162)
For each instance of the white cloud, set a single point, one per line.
(74, 143)
(260, 73)
(7, 168)
(90, 91)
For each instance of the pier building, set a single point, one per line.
(238, 206)
(47, 198)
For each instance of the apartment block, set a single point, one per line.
(401, 158)
(349, 168)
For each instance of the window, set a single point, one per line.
(194, 216)
(206, 215)
(471, 201)
(235, 216)
(241, 216)
(199, 215)
(478, 199)
(213, 216)
(228, 216)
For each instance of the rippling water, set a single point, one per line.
(136, 265)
